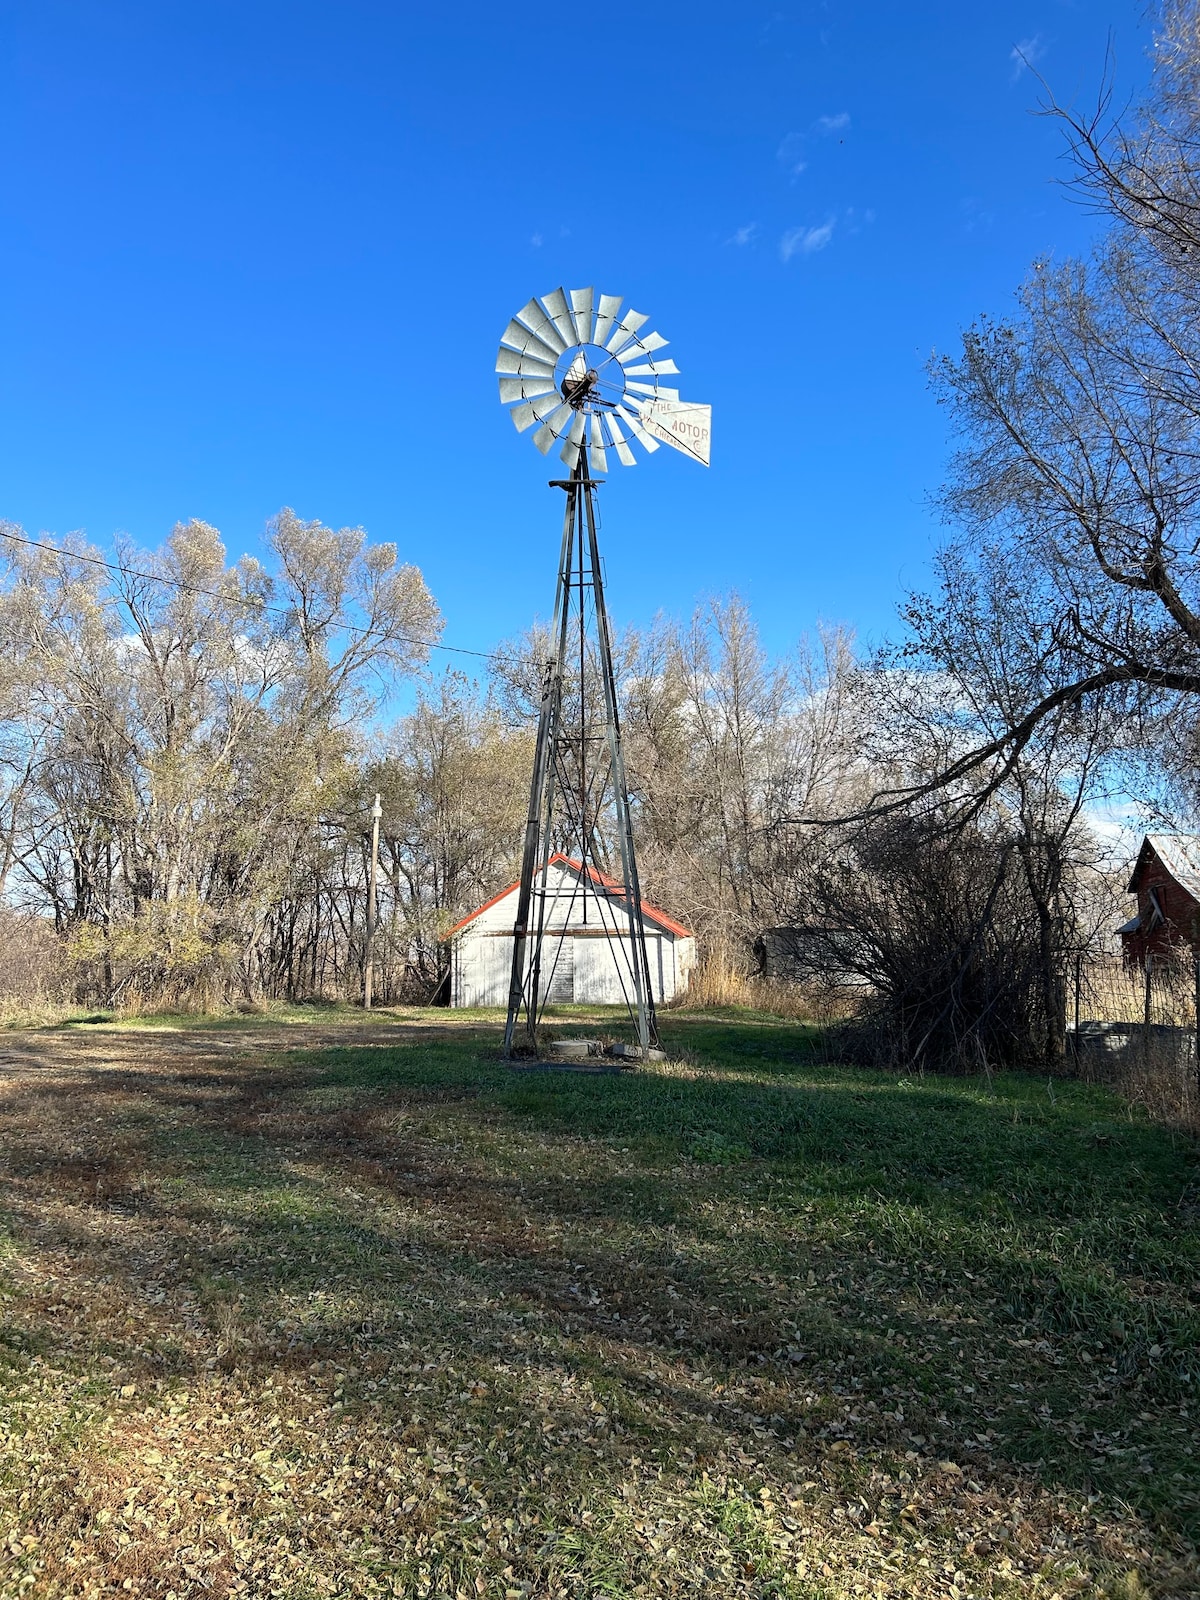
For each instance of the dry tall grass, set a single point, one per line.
(1161, 1077)
(1152, 1066)
(720, 982)
(35, 979)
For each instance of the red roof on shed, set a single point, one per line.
(1179, 853)
(652, 913)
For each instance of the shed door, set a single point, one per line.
(654, 960)
(561, 960)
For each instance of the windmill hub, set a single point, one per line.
(579, 385)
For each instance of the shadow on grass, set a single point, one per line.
(1003, 1274)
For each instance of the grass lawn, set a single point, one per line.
(328, 1305)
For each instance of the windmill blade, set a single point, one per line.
(634, 422)
(553, 427)
(625, 330)
(650, 342)
(581, 312)
(519, 336)
(635, 426)
(535, 319)
(652, 389)
(547, 405)
(647, 367)
(528, 366)
(524, 389)
(683, 425)
(574, 441)
(624, 454)
(537, 410)
(599, 457)
(531, 367)
(523, 417)
(606, 315)
(556, 305)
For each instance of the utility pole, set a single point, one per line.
(372, 905)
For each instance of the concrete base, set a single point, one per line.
(586, 1055)
(575, 1049)
(633, 1052)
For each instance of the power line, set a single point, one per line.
(256, 605)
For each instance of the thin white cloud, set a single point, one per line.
(805, 241)
(744, 236)
(536, 241)
(791, 154)
(976, 218)
(1118, 825)
(792, 149)
(1025, 53)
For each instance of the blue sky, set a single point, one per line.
(261, 254)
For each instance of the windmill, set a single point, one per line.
(585, 375)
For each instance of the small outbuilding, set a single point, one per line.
(588, 954)
(1166, 880)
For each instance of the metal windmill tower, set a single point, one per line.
(584, 374)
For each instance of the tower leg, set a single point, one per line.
(647, 1021)
(525, 997)
(537, 822)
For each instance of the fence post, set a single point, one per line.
(1146, 1014)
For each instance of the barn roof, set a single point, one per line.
(1178, 852)
(600, 879)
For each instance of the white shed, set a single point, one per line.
(588, 953)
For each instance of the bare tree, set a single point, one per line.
(1144, 170)
(173, 736)
(455, 786)
(724, 746)
(1079, 454)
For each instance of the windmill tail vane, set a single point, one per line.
(582, 373)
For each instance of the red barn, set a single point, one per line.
(1166, 880)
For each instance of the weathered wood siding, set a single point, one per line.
(1180, 928)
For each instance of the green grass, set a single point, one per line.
(744, 1323)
